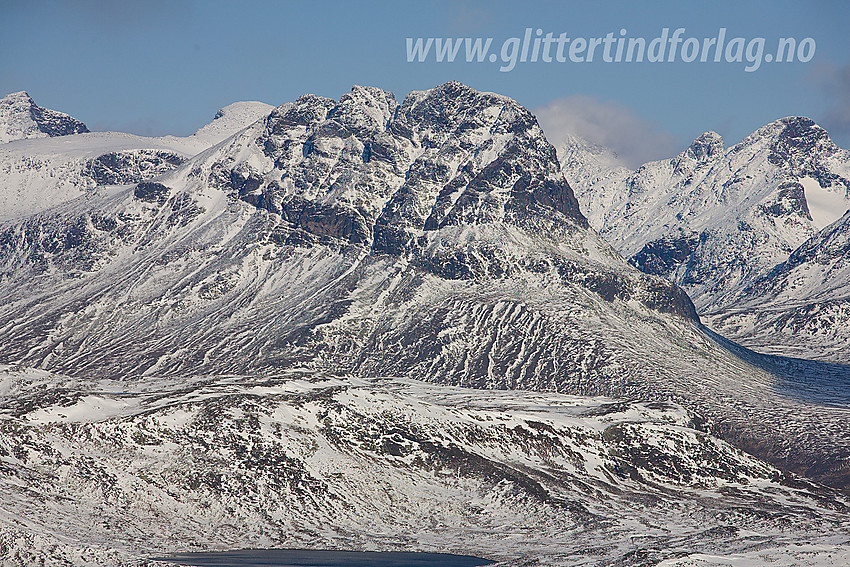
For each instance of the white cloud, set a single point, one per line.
(834, 83)
(635, 139)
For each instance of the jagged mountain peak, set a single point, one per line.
(21, 118)
(713, 219)
(792, 126)
(459, 92)
(576, 147)
(788, 127)
(700, 155)
(453, 184)
(20, 97)
(708, 145)
(798, 144)
(387, 174)
(793, 142)
(365, 109)
(453, 104)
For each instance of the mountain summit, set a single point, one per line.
(21, 118)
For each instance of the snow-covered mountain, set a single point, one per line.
(434, 239)
(802, 306)
(231, 119)
(587, 166)
(359, 239)
(716, 221)
(38, 174)
(450, 189)
(21, 118)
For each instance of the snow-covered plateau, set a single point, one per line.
(365, 324)
(93, 473)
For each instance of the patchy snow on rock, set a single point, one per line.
(21, 118)
(309, 460)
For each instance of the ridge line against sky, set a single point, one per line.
(155, 67)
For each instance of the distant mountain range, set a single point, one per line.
(730, 225)
(361, 323)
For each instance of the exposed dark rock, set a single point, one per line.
(55, 123)
(119, 168)
(151, 192)
(662, 257)
(790, 198)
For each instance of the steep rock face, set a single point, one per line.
(386, 173)
(21, 118)
(434, 239)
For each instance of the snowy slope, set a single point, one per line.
(308, 460)
(231, 119)
(591, 167)
(38, 174)
(802, 306)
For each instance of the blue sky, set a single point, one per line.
(166, 66)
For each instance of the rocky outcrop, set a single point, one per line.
(21, 118)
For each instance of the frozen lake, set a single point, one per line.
(311, 558)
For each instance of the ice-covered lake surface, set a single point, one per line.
(329, 558)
